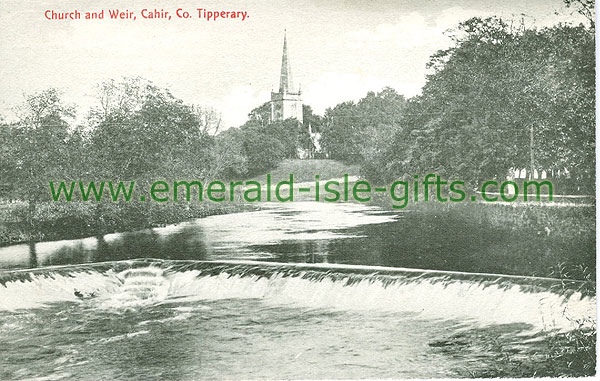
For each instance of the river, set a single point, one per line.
(298, 290)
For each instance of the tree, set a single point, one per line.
(350, 130)
(584, 8)
(502, 97)
(153, 135)
(8, 161)
(261, 114)
(265, 146)
(229, 155)
(42, 144)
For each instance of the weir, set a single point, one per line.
(140, 286)
(244, 267)
(481, 299)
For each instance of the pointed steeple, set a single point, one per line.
(286, 84)
(287, 103)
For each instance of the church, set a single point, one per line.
(287, 103)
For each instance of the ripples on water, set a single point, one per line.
(307, 226)
(233, 320)
(182, 317)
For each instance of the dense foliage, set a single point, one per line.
(352, 131)
(502, 97)
(137, 132)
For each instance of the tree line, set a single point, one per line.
(137, 131)
(504, 96)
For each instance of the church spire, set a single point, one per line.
(287, 103)
(286, 84)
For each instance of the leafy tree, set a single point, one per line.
(312, 119)
(153, 135)
(584, 8)
(502, 97)
(42, 145)
(8, 161)
(351, 130)
(261, 114)
(229, 155)
(266, 146)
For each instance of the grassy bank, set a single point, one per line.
(534, 239)
(56, 221)
(566, 354)
(61, 220)
(305, 170)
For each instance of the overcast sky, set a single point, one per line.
(339, 50)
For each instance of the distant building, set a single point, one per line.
(287, 103)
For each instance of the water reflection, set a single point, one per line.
(306, 229)
(320, 233)
(33, 262)
(185, 243)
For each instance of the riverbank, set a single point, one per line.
(58, 221)
(534, 239)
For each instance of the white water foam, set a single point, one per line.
(460, 300)
(43, 289)
(473, 302)
(141, 286)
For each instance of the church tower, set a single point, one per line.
(286, 103)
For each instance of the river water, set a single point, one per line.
(299, 290)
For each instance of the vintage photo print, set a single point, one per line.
(313, 189)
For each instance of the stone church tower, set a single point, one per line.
(286, 103)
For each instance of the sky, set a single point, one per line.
(339, 50)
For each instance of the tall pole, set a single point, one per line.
(531, 157)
